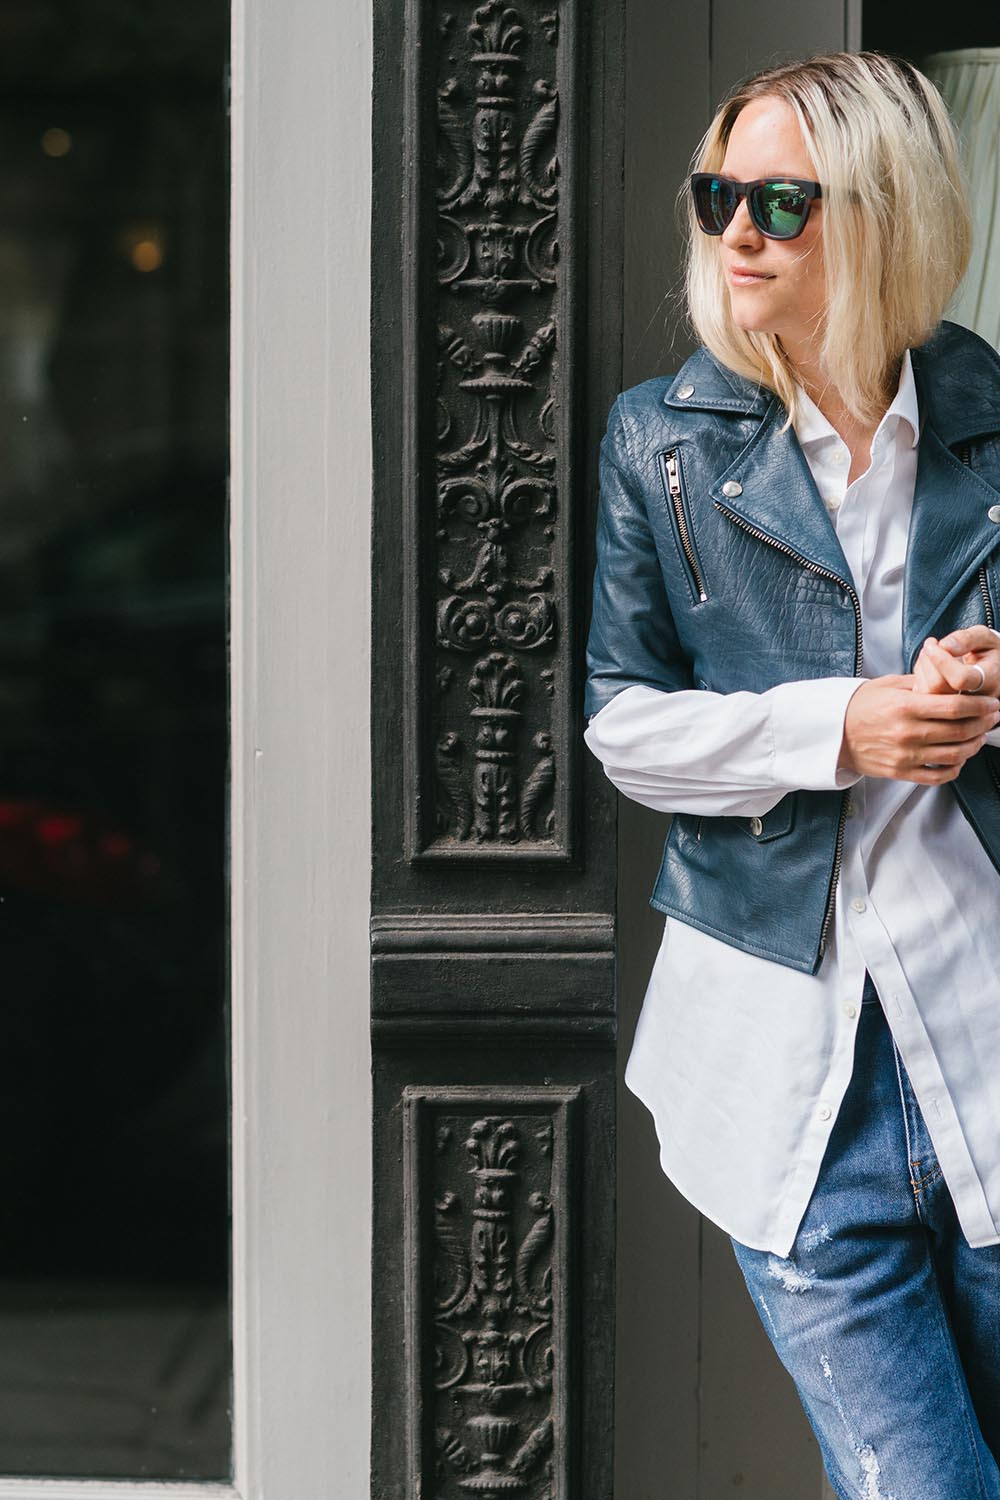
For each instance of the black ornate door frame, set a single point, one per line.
(496, 352)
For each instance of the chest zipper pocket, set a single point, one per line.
(674, 486)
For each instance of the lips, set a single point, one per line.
(746, 275)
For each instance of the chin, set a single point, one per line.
(747, 312)
(750, 323)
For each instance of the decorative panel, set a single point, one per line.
(488, 1265)
(496, 353)
(490, 255)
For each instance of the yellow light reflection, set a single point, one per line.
(56, 142)
(147, 255)
(143, 245)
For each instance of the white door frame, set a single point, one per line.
(301, 508)
(300, 558)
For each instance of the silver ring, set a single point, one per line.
(982, 679)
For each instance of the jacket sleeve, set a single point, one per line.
(662, 741)
(632, 636)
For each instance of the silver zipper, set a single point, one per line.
(859, 652)
(965, 455)
(984, 589)
(672, 466)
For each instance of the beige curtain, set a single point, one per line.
(970, 82)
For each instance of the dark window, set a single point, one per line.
(114, 1220)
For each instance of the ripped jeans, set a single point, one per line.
(887, 1321)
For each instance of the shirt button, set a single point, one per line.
(850, 1011)
(840, 458)
(859, 905)
(824, 1111)
(756, 826)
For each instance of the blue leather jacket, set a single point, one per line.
(718, 567)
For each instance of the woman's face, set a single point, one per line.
(775, 286)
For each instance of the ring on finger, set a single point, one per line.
(982, 679)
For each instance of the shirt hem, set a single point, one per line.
(779, 1246)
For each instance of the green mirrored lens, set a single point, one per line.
(780, 207)
(715, 203)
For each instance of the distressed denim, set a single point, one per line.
(887, 1321)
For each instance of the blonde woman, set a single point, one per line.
(793, 652)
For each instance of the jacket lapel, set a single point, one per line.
(778, 496)
(950, 536)
(957, 375)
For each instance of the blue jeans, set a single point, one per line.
(887, 1321)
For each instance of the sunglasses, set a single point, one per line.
(778, 206)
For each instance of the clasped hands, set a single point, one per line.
(924, 725)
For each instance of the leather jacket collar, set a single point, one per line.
(955, 379)
(959, 398)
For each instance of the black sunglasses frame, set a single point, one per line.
(747, 190)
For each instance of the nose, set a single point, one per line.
(741, 230)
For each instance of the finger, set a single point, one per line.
(972, 638)
(928, 677)
(984, 664)
(959, 675)
(922, 665)
(931, 775)
(950, 705)
(955, 753)
(957, 732)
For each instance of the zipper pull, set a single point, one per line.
(672, 467)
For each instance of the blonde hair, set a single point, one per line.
(896, 223)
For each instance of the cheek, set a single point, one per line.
(811, 270)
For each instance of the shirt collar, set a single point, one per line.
(811, 425)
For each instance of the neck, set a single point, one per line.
(811, 375)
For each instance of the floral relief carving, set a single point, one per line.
(491, 1314)
(496, 533)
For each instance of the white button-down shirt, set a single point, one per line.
(743, 1062)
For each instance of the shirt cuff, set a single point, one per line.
(807, 727)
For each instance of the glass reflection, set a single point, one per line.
(114, 1224)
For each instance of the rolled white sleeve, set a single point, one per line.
(723, 753)
(807, 722)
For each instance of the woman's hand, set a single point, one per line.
(949, 665)
(895, 729)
